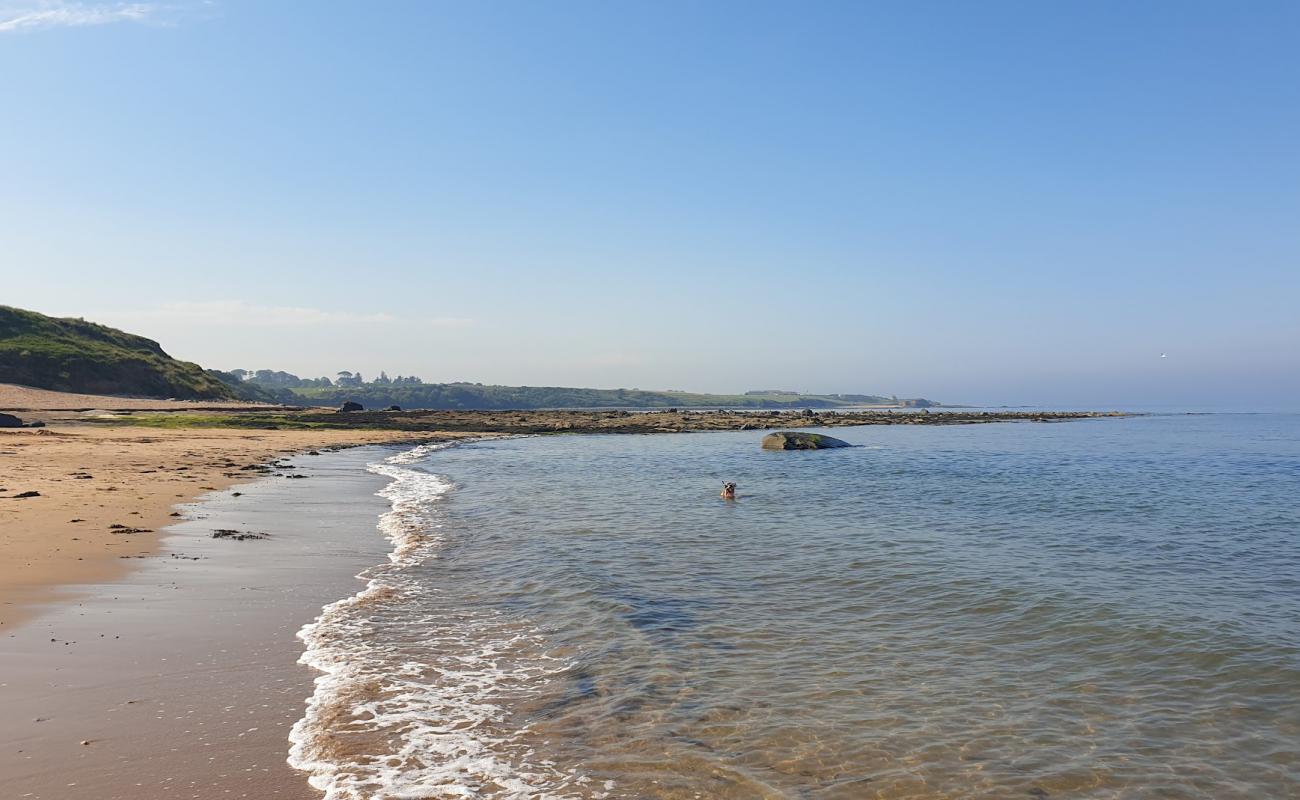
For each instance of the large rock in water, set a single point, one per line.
(10, 421)
(793, 440)
(351, 406)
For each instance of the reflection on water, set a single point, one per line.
(1096, 609)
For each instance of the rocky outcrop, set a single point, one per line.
(793, 440)
(10, 421)
(350, 406)
(393, 408)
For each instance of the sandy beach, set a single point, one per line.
(20, 399)
(108, 628)
(90, 479)
(179, 678)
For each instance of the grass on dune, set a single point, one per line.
(72, 355)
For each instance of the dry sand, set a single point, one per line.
(92, 477)
(24, 398)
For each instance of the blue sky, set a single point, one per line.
(987, 202)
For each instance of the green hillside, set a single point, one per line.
(72, 355)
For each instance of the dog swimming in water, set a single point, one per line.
(728, 491)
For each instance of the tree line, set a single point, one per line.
(287, 380)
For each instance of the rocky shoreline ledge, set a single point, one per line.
(541, 422)
(670, 421)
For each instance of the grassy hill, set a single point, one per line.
(72, 355)
(478, 396)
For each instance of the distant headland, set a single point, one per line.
(74, 355)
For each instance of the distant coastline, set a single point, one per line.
(74, 355)
(525, 421)
(449, 396)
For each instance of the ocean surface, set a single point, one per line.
(1095, 609)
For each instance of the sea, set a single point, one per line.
(1101, 608)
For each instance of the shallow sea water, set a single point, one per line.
(1102, 608)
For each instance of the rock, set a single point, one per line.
(793, 440)
(21, 495)
(351, 406)
(10, 421)
(35, 424)
(238, 536)
(393, 408)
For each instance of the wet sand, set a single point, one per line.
(180, 679)
(90, 478)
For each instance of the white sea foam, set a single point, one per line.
(410, 702)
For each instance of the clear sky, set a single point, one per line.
(970, 201)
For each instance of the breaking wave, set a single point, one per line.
(413, 696)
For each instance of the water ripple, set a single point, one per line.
(1103, 610)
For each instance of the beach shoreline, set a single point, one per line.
(182, 676)
(106, 493)
(106, 548)
(107, 480)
